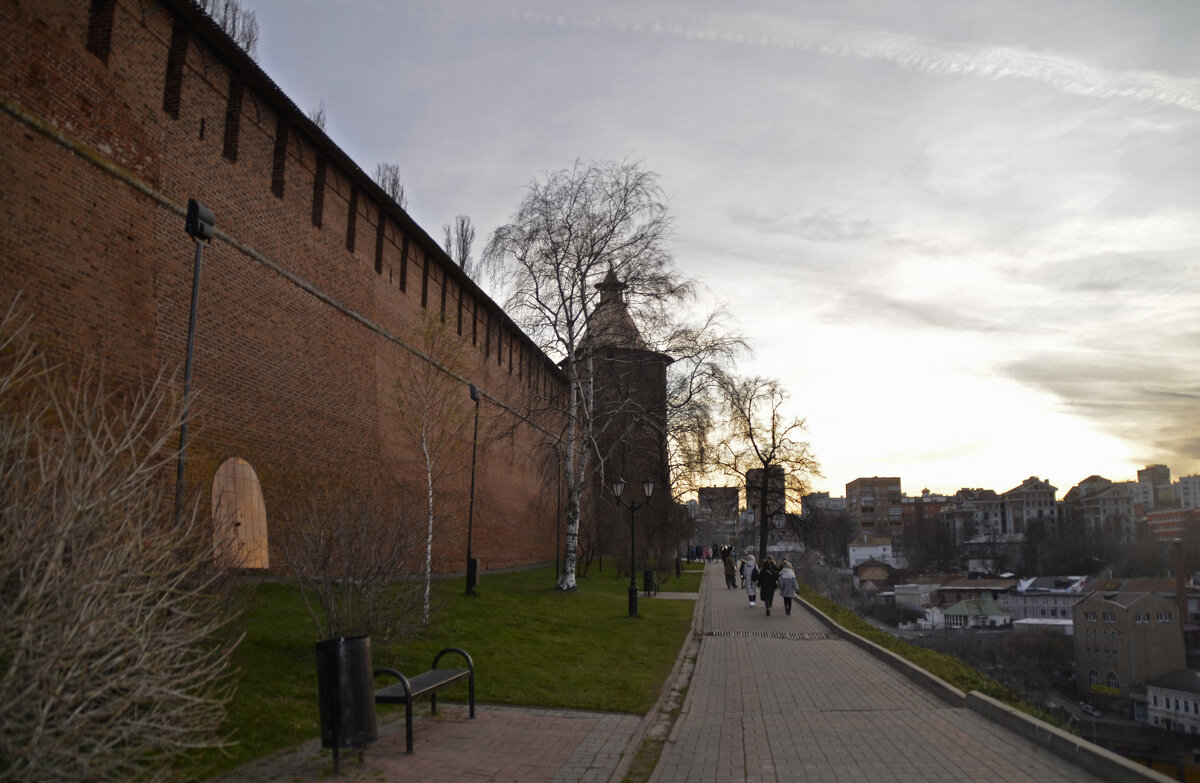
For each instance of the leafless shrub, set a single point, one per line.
(351, 550)
(114, 638)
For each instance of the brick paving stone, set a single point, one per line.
(779, 698)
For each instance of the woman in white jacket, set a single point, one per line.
(788, 585)
(750, 577)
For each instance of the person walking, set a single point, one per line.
(750, 577)
(768, 581)
(788, 585)
(730, 569)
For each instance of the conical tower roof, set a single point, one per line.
(611, 325)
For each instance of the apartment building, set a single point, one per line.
(1101, 508)
(875, 506)
(1154, 488)
(1125, 639)
(1033, 502)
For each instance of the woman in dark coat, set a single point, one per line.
(768, 580)
(730, 569)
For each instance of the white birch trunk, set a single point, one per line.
(566, 580)
(429, 524)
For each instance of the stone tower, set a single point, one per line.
(629, 414)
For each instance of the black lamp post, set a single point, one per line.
(198, 225)
(472, 565)
(618, 486)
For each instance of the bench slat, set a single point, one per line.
(421, 684)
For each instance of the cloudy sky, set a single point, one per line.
(965, 235)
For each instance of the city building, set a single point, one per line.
(1154, 488)
(961, 589)
(920, 511)
(875, 506)
(1100, 507)
(974, 515)
(1125, 639)
(1187, 491)
(1172, 523)
(1173, 701)
(1045, 597)
(1033, 503)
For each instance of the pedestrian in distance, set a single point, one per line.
(788, 585)
(750, 578)
(768, 581)
(730, 569)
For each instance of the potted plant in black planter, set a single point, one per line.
(349, 552)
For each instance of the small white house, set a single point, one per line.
(866, 548)
(1173, 701)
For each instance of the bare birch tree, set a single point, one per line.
(435, 411)
(241, 25)
(114, 637)
(457, 242)
(756, 439)
(318, 115)
(569, 230)
(387, 176)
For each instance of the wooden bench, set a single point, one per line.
(430, 682)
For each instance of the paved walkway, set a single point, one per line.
(779, 699)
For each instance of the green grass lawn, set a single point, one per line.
(532, 646)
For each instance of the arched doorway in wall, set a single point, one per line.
(239, 516)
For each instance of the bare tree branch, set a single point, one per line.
(458, 241)
(387, 175)
(239, 24)
(115, 638)
(317, 115)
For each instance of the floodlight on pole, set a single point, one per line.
(199, 226)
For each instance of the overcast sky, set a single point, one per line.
(965, 235)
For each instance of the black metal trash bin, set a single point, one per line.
(648, 582)
(346, 694)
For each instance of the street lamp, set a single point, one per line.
(199, 226)
(618, 486)
(472, 564)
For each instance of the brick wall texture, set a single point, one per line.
(116, 112)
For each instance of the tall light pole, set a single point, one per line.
(618, 486)
(472, 564)
(198, 225)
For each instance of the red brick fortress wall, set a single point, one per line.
(312, 296)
